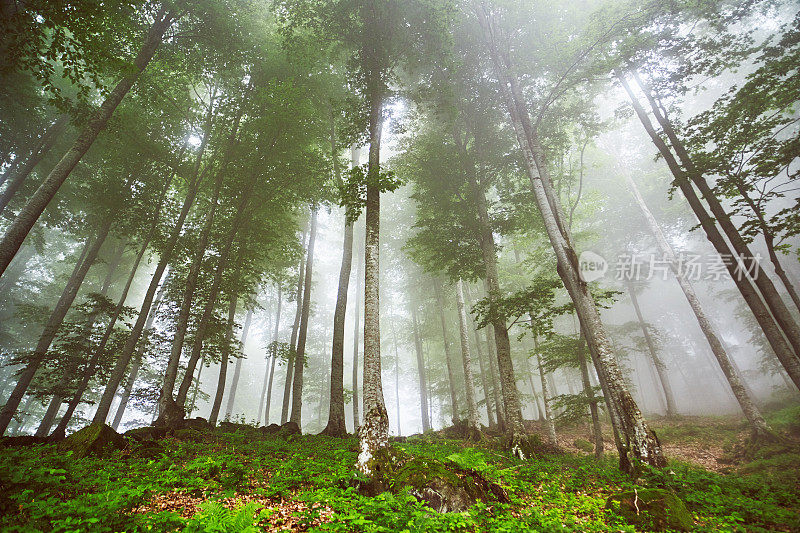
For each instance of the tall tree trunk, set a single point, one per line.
(271, 367)
(548, 412)
(484, 381)
(237, 369)
(357, 331)
(451, 381)
(746, 402)
(193, 404)
(597, 432)
(512, 411)
(100, 350)
(423, 379)
(88, 257)
(396, 376)
(491, 357)
(69, 374)
(783, 351)
(302, 333)
(30, 213)
(771, 296)
(165, 257)
(226, 353)
(18, 176)
(640, 440)
(287, 386)
(469, 387)
(190, 285)
(661, 369)
(374, 431)
(336, 426)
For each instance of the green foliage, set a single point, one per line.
(353, 190)
(44, 490)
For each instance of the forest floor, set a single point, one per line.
(246, 481)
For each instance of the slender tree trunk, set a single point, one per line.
(302, 333)
(491, 356)
(226, 353)
(357, 332)
(271, 368)
(30, 213)
(99, 352)
(484, 381)
(287, 388)
(746, 402)
(125, 355)
(374, 431)
(661, 369)
(640, 440)
(72, 368)
(18, 176)
(469, 387)
(512, 412)
(771, 296)
(423, 380)
(597, 432)
(336, 426)
(88, 257)
(548, 413)
(783, 351)
(190, 286)
(451, 381)
(193, 405)
(237, 369)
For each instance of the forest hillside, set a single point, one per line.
(399, 265)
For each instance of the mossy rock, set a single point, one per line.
(290, 428)
(651, 509)
(271, 429)
(584, 445)
(188, 434)
(94, 439)
(200, 424)
(445, 487)
(147, 433)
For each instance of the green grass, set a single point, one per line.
(243, 481)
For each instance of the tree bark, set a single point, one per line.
(548, 413)
(357, 331)
(597, 432)
(88, 257)
(423, 379)
(267, 390)
(783, 351)
(469, 387)
(99, 352)
(771, 296)
(190, 286)
(287, 387)
(30, 213)
(226, 353)
(661, 369)
(237, 369)
(374, 431)
(451, 381)
(484, 380)
(640, 441)
(746, 402)
(302, 333)
(20, 174)
(336, 426)
(491, 357)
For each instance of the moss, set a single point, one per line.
(584, 445)
(95, 439)
(652, 509)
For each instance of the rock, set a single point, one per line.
(188, 434)
(94, 439)
(147, 433)
(652, 509)
(271, 429)
(199, 423)
(398, 439)
(171, 416)
(290, 428)
(445, 487)
(231, 427)
(584, 445)
(22, 440)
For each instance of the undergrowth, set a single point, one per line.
(248, 482)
